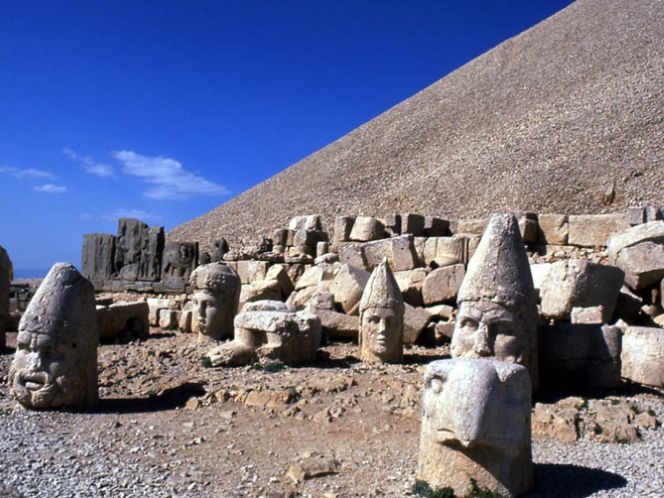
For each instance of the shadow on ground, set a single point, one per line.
(168, 399)
(572, 481)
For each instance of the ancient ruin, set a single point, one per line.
(55, 364)
(497, 305)
(381, 318)
(216, 294)
(476, 426)
(269, 330)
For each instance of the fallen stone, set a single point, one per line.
(643, 355)
(594, 230)
(554, 229)
(442, 284)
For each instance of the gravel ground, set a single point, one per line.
(167, 427)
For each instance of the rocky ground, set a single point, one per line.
(166, 426)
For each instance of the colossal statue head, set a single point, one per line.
(497, 305)
(381, 318)
(55, 364)
(216, 295)
(476, 426)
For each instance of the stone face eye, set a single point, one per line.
(436, 384)
(468, 323)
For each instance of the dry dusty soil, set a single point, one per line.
(167, 426)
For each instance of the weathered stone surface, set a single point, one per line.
(410, 282)
(392, 224)
(128, 246)
(97, 256)
(216, 295)
(180, 259)
(590, 315)
(271, 330)
(554, 229)
(250, 271)
(476, 425)
(635, 215)
(528, 227)
(337, 325)
(558, 421)
(414, 322)
(123, 321)
(444, 251)
(366, 228)
(579, 356)
(353, 255)
(594, 230)
(413, 224)
(347, 287)
(643, 355)
(579, 283)
(169, 319)
(474, 226)
(342, 228)
(154, 306)
(399, 252)
(280, 274)
(55, 364)
(381, 318)
(442, 284)
(260, 291)
(643, 264)
(184, 324)
(5, 282)
(647, 232)
(309, 222)
(497, 305)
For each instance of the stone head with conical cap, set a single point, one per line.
(497, 304)
(381, 318)
(56, 347)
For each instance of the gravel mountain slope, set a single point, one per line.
(546, 121)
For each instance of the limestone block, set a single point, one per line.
(169, 319)
(436, 227)
(314, 275)
(392, 224)
(260, 291)
(476, 426)
(579, 283)
(575, 356)
(643, 355)
(279, 237)
(322, 247)
(410, 282)
(445, 251)
(444, 311)
(342, 228)
(353, 255)
(653, 213)
(647, 232)
(154, 306)
(415, 321)
(470, 226)
(589, 315)
(123, 321)
(594, 230)
(442, 284)
(643, 264)
(540, 272)
(305, 238)
(251, 271)
(308, 222)
(347, 287)
(366, 228)
(554, 229)
(399, 251)
(528, 227)
(413, 224)
(184, 325)
(98, 258)
(279, 273)
(337, 325)
(628, 305)
(635, 215)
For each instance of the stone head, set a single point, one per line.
(497, 306)
(55, 363)
(381, 318)
(216, 295)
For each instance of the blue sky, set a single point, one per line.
(162, 110)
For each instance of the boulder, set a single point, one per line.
(366, 228)
(646, 232)
(442, 284)
(415, 321)
(410, 282)
(643, 355)
(123, 321)
(642, 263)
(553, 228)
(347, 287)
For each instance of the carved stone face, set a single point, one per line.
(48, 370)
(381, 332)
(210, 310)
(484, 328)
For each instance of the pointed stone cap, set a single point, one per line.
(499, 270)
(382, 289)
(63, 304)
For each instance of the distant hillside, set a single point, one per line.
(546, 121)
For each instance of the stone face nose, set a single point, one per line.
(482, 345)
(35, 361)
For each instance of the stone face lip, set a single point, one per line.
(381, 318)
(55, 364)
(476, 426)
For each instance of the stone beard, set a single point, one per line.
(382, 334)
(485, 328)
(51, 369)
(476, 426)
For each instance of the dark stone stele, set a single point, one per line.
(137, 259)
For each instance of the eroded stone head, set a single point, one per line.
(55, 364)
(216, 295)
(381, 318)
(476, 425)
(497, 303)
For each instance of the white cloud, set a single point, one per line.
(49, 188)
(139, 214)
(168, 178)
(27, 173)
(90, 165)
